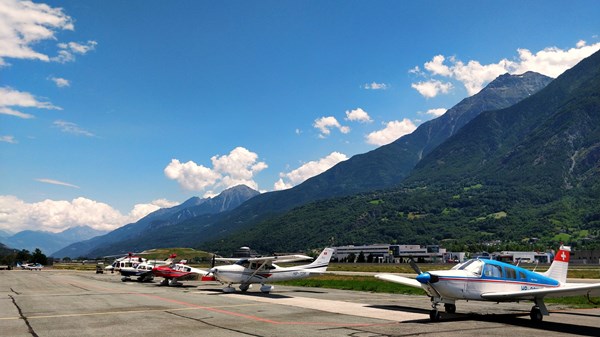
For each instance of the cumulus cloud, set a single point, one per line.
(60, 82)
(24, 23)
(358, 115)
(473, 75)
(308, 170)
(436, 112)
(72, 128)
(238, 167)
(375, 86)
(325, 124)
(10, 98)
(392, 131)
(432, 88)
(57, 215)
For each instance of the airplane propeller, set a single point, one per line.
(423, 277)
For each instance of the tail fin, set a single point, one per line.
(559, 267)
(321, 263)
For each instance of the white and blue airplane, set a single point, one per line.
(490, 280)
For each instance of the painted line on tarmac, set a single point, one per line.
(261, 319)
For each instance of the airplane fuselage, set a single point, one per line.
(240, 274)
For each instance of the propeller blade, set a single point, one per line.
(212, 264)
(414, 266)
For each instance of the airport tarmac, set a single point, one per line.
(76, 303)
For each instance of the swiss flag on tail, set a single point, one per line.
(562, 256)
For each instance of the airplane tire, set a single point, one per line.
(536, 314)
(244, 287)
(450, 308)
(434, 315)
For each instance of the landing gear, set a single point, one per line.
(125, 279)
(173, 283)
(536, 314)
(434, 315)
(229, 289)
(266, 289)
(244, 287)
(450, 308)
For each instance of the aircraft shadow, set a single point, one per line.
(509, 319)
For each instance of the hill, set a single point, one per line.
(528, 171)
(50, 242)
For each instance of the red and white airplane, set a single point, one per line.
(490, 280)
(176, 272)
(143, 270)
(246, 271)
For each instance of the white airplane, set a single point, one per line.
(142, 270)
(247, 271)
(490, 280)
(30, 266)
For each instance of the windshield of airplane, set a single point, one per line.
(243, 262)
(474, 266)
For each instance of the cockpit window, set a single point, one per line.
(474, 266)
(243, 262)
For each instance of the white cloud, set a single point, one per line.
(432, 88)
(436, 112)
(24, 23)
(56, 182)
(375, 86)
(60, 82)
(13, 98)
(324, 124)
(68, 50)
(72, 128)
(392, 131)
(358, 115)
(57, 215)
(473, 75)
(8, 139)
(308, 170)
(236, 168)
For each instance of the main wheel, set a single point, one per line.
(450, 308)
(536, 314)
(434, 315)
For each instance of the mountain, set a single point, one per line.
(388, 165)
(162, 219)
(50, 242)
(529, 170)
(549, 141)
(381, 168)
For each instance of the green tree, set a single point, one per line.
(23, 255)
(39, 257)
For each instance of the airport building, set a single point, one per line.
(390, 253)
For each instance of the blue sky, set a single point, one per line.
(111, 109)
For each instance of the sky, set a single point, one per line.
(112, 109)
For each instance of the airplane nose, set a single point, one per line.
(424, 278)
(427, 278)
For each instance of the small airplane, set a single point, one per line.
(143, 270)
(130, 260)
(176, 272)
(30, 266)
(490, 280)
(246, 271)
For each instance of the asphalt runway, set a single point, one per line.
(75, 303)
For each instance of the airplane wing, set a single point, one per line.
(568, 289)
(280, 258)
(399, 279)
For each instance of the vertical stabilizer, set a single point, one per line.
(560, 265)
(321, 263)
